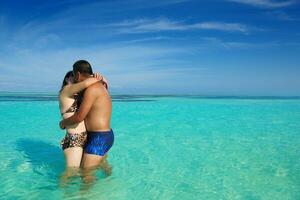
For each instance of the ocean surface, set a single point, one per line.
(166, 147)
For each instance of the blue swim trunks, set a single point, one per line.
(99, 142)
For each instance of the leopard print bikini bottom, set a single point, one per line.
(73, 140)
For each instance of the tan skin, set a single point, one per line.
(73, 155)
(66, 99)
(95, 110)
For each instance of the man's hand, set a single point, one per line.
(61, 124)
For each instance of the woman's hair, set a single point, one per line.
(65, 81)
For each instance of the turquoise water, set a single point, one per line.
(165, 148)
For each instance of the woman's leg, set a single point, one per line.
(73, 156)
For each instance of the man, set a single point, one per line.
(95, 110)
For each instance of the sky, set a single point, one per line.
(204, 47)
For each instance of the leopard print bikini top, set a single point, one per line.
(73, 108)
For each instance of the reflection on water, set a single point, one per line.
(47, 161)
(42, 155)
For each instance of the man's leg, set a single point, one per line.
(89, 163)
(95, 152)
(105, 166)
(91, 160)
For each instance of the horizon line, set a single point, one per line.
(166, 94)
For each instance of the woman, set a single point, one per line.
(75, 137)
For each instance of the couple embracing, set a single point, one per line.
(86, 107)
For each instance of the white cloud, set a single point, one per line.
(44, 70)
(230, 27)
(146, 25)
(212, 42)
(265, 3)
(280, 15)
(148, 39)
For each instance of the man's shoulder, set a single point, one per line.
(96, 87)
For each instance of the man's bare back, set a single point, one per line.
(98, 117)
(96, 109)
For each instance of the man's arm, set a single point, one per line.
(89, 97)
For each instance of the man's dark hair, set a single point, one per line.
(83, 67)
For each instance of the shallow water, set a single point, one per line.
(165, 148)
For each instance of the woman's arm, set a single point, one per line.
(72, 89)
(102, 79)
(105, 83)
